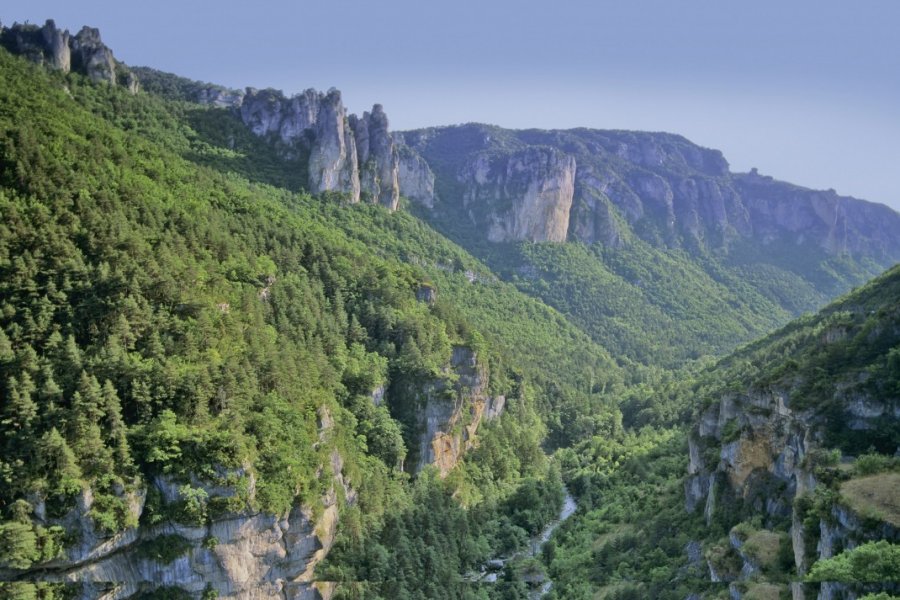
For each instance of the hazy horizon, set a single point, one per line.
(804, 92)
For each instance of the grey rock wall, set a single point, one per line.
(526, 195)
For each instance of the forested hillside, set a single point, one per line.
(791, 460)
(184, 342)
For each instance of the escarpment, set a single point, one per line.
(658, 186)
(525, 195)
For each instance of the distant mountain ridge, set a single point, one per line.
(672, 192)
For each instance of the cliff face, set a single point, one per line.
(658, 186)
(83, 53)
(444, 412)
(355, 155)
(238, 553)
(770, 470)
(449, 416)
(778, 447)
(414, 177)
(525, 195)
(379, 161)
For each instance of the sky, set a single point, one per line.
(807, 91)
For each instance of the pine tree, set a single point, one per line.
(17, 420)
(6, 350)
(115, 426)
(58, 464)
(84, 429)
(20, 409)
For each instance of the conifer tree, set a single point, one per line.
(115, 426)
(58, 464)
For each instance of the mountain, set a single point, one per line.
(252, 346)
(657, 230)
(203, 372)
(661, 235)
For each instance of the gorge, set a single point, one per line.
(253, 346)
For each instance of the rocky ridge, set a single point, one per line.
(659, 186)
(83, 53)
(355, 155)
(582, 185)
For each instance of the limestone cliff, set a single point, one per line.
(414, 177)
(658, 186)
(237, 552)
(449, 421)
(524, 195)
(444, 412)
(346, 153)
(379, 161)
(333, 161)
(83, 53)
(753, 455)
(776, 443)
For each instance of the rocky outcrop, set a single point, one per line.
(268, 112)
(56, 47)
(414, 177)
(333, 162)
(239, 556)
(350, 154)
(378, 158)
(83, 53)
(92, 57)
(239, 553)
(754, 451)
(47, 45)
(450, 409)
(220, 97)
(525, 195)
(753, 443)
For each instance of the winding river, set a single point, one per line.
(494, 567)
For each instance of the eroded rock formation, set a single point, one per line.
(346, 153)
(83, 53)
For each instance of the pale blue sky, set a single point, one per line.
(806, 90)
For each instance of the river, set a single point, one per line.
(492, 569)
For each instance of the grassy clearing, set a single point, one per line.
(765, 591)
(763, 546)
(876, 496)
